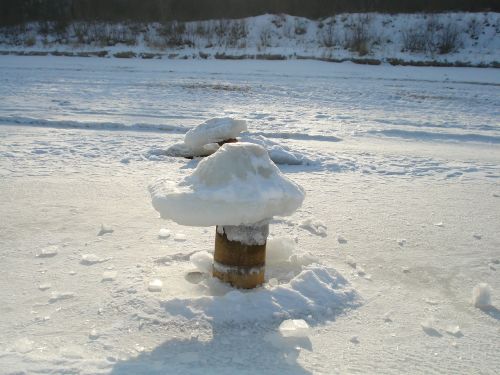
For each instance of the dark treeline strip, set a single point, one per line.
(63, 11)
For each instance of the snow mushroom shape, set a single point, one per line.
(237, 185)
(214, 131)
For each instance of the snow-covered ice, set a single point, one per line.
(481, 295)
(392, 151)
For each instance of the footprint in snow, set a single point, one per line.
(316, 227)
(105, 230)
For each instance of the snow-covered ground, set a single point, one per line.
(400, 222)
(466, 39)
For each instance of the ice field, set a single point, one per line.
(373, 274)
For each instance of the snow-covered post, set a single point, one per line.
(238, 189)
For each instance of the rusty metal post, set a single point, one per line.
(239, 264)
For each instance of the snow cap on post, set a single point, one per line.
(237, 185)
(214, 131)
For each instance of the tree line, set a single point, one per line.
(14, 12)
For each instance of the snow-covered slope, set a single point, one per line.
(437, 39)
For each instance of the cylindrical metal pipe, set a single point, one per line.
(238, 263)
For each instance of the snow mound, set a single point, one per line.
(315, 291)
(481, 295)
(237, 185)
(213, 131)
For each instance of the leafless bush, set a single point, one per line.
(415, 39)
(237, 31)
(29, 40)
(220, 29)
(174, 34)
(448, 39)
(265, 37)
(79, 30)
(474, 28)
(432, 37)
(326, 34)
(359, 37)
(300, 27)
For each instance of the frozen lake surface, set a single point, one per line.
(401, 169)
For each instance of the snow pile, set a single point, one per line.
(481, 295)
(213, 131)
(237, 185)
(315, 291)
(298, 286)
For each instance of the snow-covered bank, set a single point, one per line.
(444, 39)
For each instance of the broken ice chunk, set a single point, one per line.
(109, 275)
(59, 296)
(202, 260)
(440, 224)
(47, 252)
(180, 237)
(481, 295)
(89, 259)
(44, 286)
(155, 285)
(294, 328)
(163, 233)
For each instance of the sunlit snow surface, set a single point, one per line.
(400, 221)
